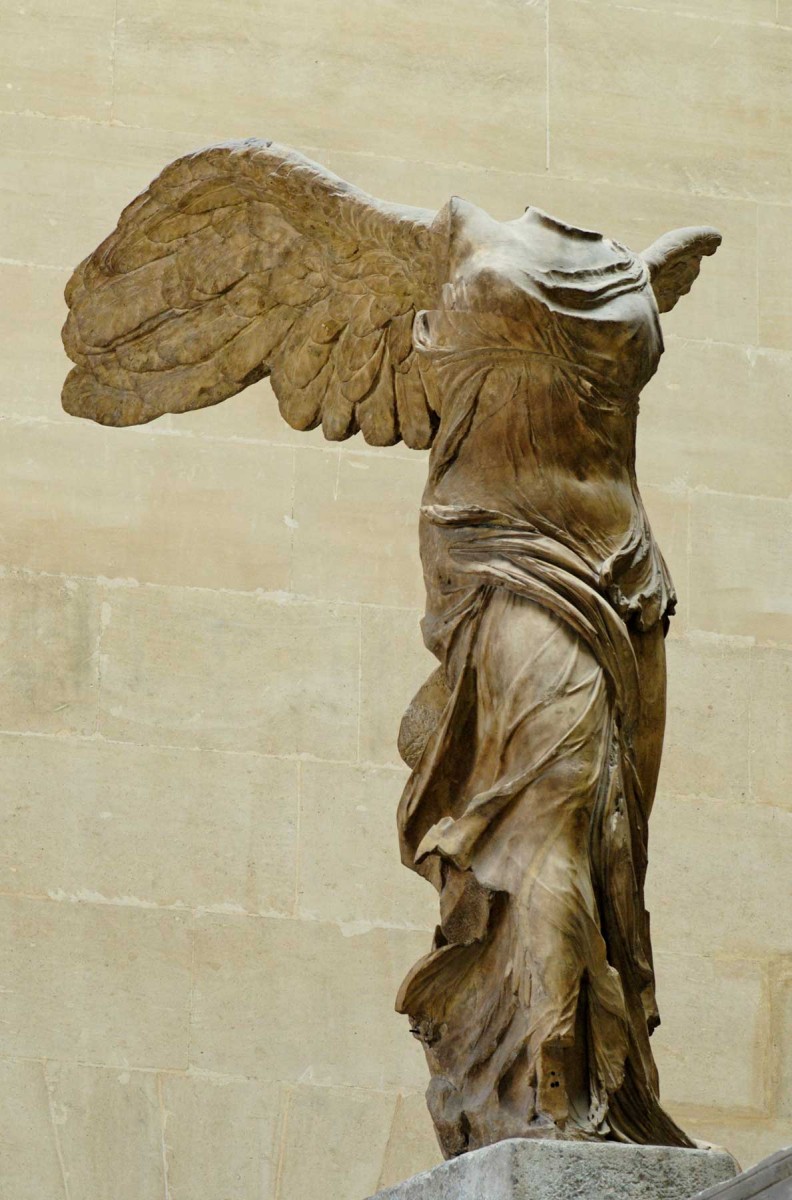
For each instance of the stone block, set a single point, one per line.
(250, 416)
(298, 1001)
(48, 647)
(139, 825)
(744, 11)
(326, 85)
(356, 531)
(94, 983)
(698, 998)
(57, 59)
(350, 869)
(718, 417)
(783, 1045)
(719, 878)
(31, 309)
(110, 1131)
(412, 1145)
(221, 1137)
(774, 272)
(771, 728)
(29, 1163)
(669, 93)
(527, 1169)
(706, 744)
(334, 1142)
(739, 579)
(227, 671)
(153, 508)
(50, 214)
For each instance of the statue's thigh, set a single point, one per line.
(542, 697)
(524, 647)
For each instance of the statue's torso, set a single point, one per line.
(542, 344)
(538, 453)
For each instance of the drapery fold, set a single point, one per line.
(525, 810)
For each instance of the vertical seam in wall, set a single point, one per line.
(105, 617)
(292, 519)
(391, 1133)
(757, 283)
(55, 1134)
(360, 682)
(192, 991)
(113, 36)
(163, 1144)
(284, 1128)
(771, 1059)
(688, 550)
(298, 843)
(750, 721)
(547, 84)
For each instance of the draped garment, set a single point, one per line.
(528, 805)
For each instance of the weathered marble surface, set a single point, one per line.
(516, 351)
(560, 1170)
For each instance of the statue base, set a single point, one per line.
(541, 1169)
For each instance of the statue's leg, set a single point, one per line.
(519, 1010)
(635, 1112)
(651, 658)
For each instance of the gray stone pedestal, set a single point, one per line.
(526, 1169)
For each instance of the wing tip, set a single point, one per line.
(83, 396)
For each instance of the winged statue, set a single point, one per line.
(516, 351)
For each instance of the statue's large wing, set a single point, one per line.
(245, 260)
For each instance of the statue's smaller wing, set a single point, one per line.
(674, 262)
(246, 260)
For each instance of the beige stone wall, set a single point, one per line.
(210, 625)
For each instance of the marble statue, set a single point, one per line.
(516, 351)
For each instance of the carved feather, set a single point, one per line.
(245, 260)
(674, 262)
